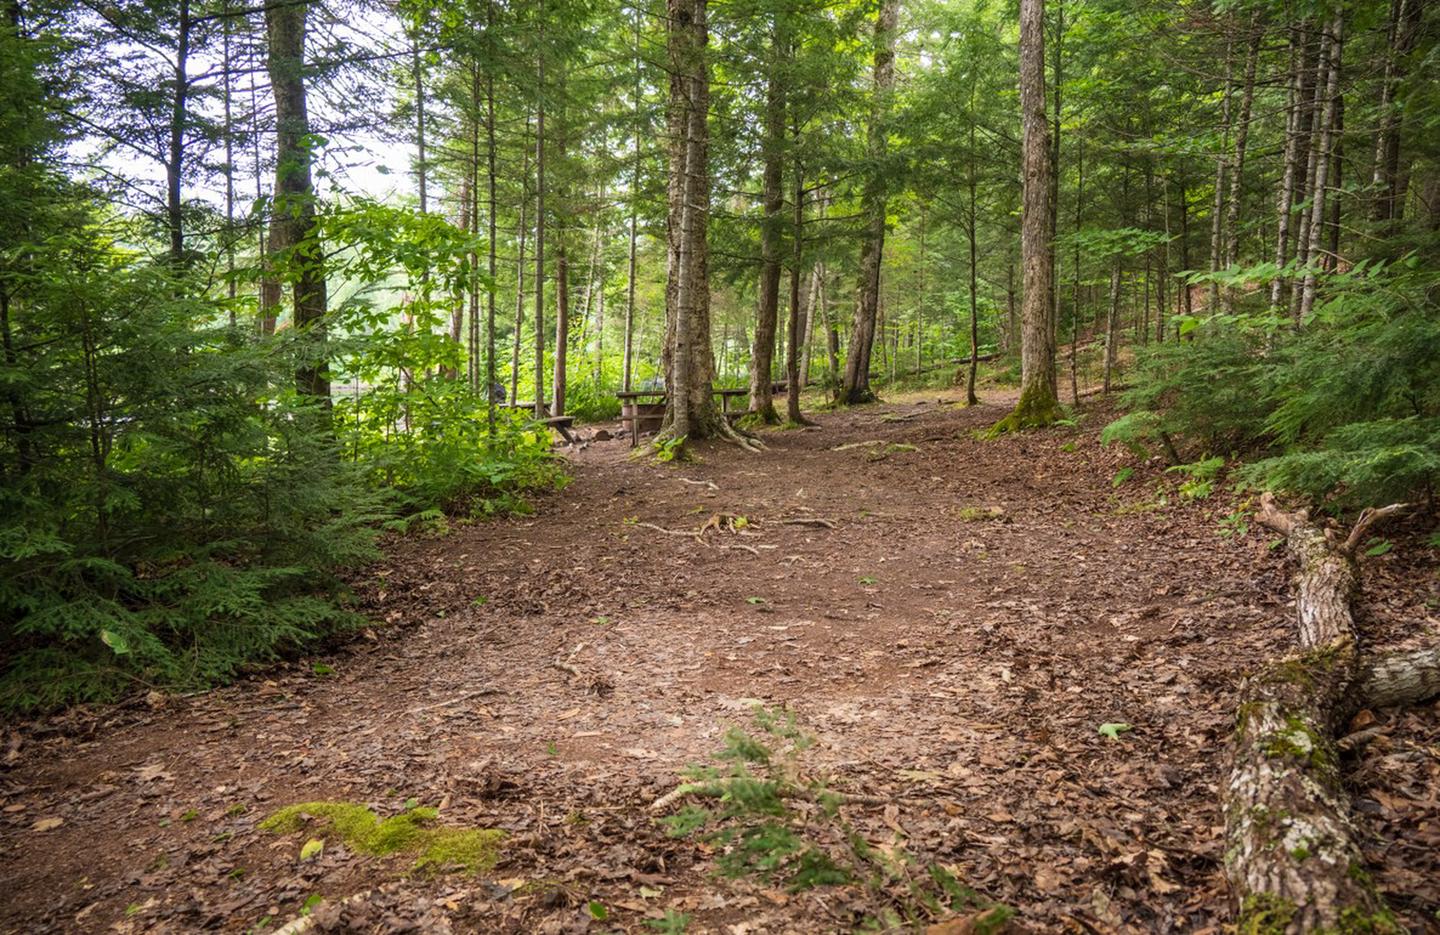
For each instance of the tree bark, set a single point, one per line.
(1112, 323)
(294, 201)
(1403, 30)
(1285, 202)
(562, 331)
(1217, 209)
(539, 410)
(1322, 167)
(1230, 234)
(797, 336)
(1037, 404)
(856, 388)
(1292, 858)
(523, 229)
(690, 410)
(762, 351)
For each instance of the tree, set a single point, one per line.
(856, 388)
(690, 410)
(294, 231)
(1038, 404)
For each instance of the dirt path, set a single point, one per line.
(551, 676)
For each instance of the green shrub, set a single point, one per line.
(1344, 411)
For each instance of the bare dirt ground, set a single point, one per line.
(953, 637)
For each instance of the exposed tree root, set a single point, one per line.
(1291, 854)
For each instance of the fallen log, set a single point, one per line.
(1291, 857)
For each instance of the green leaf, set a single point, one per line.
(598, 912)
(312, 849)
(867, 580)
(321, 668)
(755, 600)
(1121, 476)
(1379, 547)
(1113, 729)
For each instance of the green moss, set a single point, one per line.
(1264, 914)
(411, 832)
(473, 850)
(1032, 411)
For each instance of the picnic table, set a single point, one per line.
(634, 412)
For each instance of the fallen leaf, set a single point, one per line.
(47, 824)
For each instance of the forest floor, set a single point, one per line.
(953, 639)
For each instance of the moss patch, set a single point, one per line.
(1033, 410)
(1264, 914)
(411, 832)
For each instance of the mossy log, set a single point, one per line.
(1291, 856)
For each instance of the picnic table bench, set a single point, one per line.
(561, 424)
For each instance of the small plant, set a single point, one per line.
(771, 819)
(1121, 476)
(1200, 477)
(670, 449)
(867, 580)
(1236, 525)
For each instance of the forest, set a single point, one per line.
(946, 466)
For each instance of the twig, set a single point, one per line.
(700, 483)
(747, 548)
(809, 795)
(456, 700)
(806, 521)
(1369, 517)
(669, 532)
(873, 441)
(565, 667)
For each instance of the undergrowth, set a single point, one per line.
(771, 819)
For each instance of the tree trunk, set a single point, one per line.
(811, 296)
(856, 387)
(1322, 167)
(797, 337)
(562, 331)
(490, 222)
(1112, 324)
(1217, 210)
(629, 352)
(539, 410)
(1315, 122)
(690, 410)
(1230, 234)
(1037, 404)
(520, 267)
(762, 352)
(1291, 855)
(294, 216)
(1403, 30)
(1286, 199)
(179, 122)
